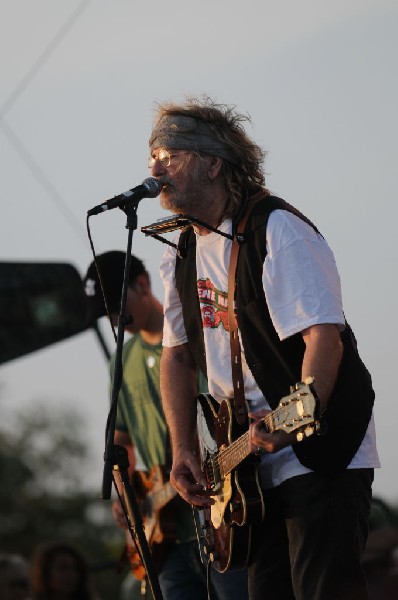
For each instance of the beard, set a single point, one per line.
(190, 196)
(171, 199)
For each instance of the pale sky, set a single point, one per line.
(79, 83)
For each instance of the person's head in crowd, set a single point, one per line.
(14, 577)
(59, 571)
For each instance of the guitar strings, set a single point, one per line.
(236, 448)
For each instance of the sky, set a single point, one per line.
(79, 85)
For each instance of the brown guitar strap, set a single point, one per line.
(236, 362)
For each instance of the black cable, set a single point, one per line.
(45, 55)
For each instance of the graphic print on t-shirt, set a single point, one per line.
(213, 305)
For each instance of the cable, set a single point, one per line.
(43, 179)
(17, 144)
(45, 55)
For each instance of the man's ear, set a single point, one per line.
(142, 284)
(214, 167)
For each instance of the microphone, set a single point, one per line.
(149, 188)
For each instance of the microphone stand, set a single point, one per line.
(115, 457)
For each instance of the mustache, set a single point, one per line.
(164, 181)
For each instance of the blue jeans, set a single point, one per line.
(311, 542)
(183, 577)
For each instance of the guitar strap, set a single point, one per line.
(236, 362)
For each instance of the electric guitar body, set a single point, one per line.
(238, 499)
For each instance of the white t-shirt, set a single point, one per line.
(302, 288)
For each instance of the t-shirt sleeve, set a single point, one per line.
(174, 333)
(300, 277)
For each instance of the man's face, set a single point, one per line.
(184, 179)
(64, 576)
(137, 306)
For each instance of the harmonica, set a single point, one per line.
(167, 224)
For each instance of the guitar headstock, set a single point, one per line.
(297, 411)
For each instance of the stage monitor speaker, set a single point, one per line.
(40, 304)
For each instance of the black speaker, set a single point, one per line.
(40, 304)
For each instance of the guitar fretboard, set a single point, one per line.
(229, 458)
(294, 413)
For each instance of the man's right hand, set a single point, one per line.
(187, 478)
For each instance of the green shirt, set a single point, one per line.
(140, 411)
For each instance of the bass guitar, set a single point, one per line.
(224, 528)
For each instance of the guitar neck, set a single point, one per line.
(231, 456)
(295, 412)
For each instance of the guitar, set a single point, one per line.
(154, 494)
(224, 528)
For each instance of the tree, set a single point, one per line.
(42, 458)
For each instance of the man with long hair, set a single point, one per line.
(253, 273)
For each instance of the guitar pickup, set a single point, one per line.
(211, 471)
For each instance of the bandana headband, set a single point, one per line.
(179, 132)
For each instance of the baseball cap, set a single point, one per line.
(111, 267)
